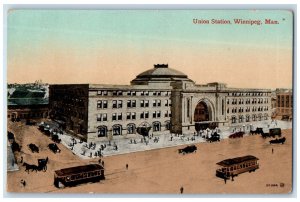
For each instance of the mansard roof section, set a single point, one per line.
(160, 73)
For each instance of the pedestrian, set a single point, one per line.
(103, 164)
(126, 166)
(225, 180)
(272, 150)
(23, 183)
(181, 190)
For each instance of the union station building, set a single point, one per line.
(162, 100)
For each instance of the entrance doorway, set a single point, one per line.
(201, 115)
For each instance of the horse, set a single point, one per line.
(29, 166)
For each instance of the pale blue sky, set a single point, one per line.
(139, 33)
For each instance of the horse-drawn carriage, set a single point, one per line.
(33, 148)
(42, 166)
(77, 175)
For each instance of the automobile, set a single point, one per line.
(33, 148)
(54, 148)
(56, 139)
(187, 149)
(214, 138)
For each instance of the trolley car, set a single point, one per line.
(73, 176)
(234, 167)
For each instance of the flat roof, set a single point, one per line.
(229, 162)
(78, 169)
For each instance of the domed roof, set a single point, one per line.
(160, 73)
(161, 70)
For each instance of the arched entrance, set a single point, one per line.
(202, 114)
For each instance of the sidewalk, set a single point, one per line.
(127, 145)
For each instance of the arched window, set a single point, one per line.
(102, 131)
(131, 128)
(117, 129)
(156, 126)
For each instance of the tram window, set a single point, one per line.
(72, 177)
(68, 179)
(243, 165)
(231, 168)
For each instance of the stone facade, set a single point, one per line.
(162, 99)
(284, 102)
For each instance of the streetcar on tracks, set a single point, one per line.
(73, 176)
(235, 166)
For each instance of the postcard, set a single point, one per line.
(149, 101)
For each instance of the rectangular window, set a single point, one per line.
(142, 115)
(146, 103)
(114, 104)
(154, 114)
(99, 92)
(104, 92)
(158, 114)
(120, 116)
(114, 93)
(154, 93)
(166, 114)
(120, 103)
(146, 115)
(159, 93)
(142, 103)
(133, 115)
(104, 117)
(128, 103)
(99, 104)
(166, 103)
(120, 93)
(104, 104)
(154, 103)
(133, 103)
(128, 115)
(114, 116)
(158, 103)
(99, 117)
